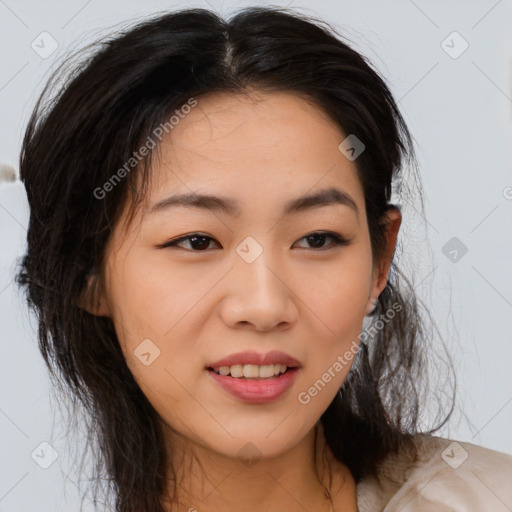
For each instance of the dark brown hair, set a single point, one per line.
(88, 122)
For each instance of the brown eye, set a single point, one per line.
(317, 239)
(198, 242)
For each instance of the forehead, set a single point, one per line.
(259, 147)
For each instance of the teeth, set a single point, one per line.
(265, 371)
(251, 371)
(236, 370)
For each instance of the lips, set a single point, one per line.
(255, 390)
(256, 358)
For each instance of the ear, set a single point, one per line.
(93, 298)
(391, 220)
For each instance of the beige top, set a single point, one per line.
(449, 476)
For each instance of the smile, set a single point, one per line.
(251, 371)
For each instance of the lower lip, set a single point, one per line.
(259, 391)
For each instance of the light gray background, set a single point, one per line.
(459, 111)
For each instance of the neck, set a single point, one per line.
(295, 481)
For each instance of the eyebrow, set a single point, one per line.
(231, 207)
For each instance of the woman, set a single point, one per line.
(210, 227)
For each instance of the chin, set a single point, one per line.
(253, 439)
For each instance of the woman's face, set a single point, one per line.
(258, 283)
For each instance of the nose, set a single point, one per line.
(259, 297)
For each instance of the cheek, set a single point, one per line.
(149, 297)
(338, 299)
(338, 294)
(151, 304)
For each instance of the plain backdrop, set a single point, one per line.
(448, 65)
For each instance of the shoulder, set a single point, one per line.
(446, 476)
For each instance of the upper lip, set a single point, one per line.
(252, 357)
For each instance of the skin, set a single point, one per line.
(197, 307)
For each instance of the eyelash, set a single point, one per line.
(338, 240)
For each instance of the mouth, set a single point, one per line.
(254, 388)
(254, 377)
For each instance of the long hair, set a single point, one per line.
(93, 115)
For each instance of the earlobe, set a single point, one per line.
(92, 298)
(371, 305)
